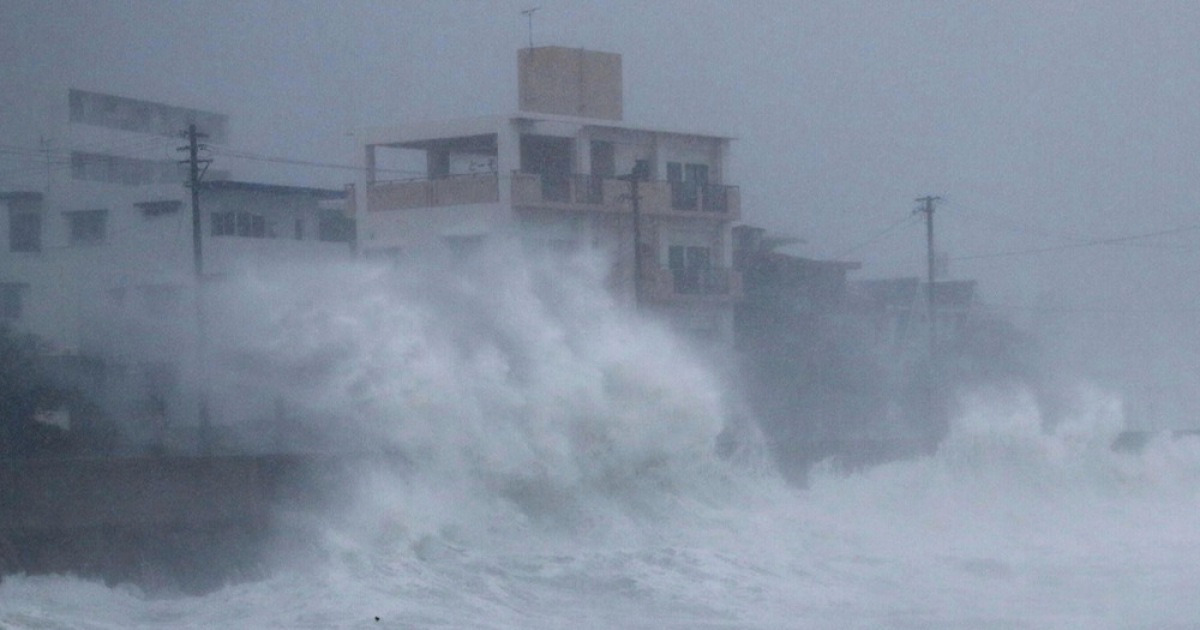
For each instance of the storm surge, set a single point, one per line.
(570, 463)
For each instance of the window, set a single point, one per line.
(243, 224)
(159, 208)
(117, 169)
(25, 232)
(603, 159)
(11, 294)
(687, 180)
(87, 227)
(691, 268)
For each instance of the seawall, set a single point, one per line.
(174, 522)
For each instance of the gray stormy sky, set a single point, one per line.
(1044, 124)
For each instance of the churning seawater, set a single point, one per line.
(565, 475)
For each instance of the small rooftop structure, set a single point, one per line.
(570, 82)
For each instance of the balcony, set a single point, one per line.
(585, 193)
(580, 192)
(589, 192)
(691, 197)
(455, 190)
(705, 284)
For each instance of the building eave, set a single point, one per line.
(275, 189)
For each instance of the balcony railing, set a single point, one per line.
(584, 192)
(694, 196)
(577, 189)
(428, 193)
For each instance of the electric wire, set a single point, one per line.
(1073, 238)
(875, 238)
(1090, 243)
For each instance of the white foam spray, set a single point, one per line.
(564, 474)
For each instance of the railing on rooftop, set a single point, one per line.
(586, 192)
(451, 190)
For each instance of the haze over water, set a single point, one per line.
(565, 473)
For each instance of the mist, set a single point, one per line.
(534, 450)
(1043, 125)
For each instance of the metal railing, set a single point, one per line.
(694, 196)
(570, 188)
(441, 191)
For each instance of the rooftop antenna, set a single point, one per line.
(528, 13)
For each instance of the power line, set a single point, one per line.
(1073, 238)
(1092, 243)
(879, 235)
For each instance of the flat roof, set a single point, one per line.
(416, 132)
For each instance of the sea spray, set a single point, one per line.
(519, 392)
(562, 472)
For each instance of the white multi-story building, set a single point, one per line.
(96, 247)
(556, 175)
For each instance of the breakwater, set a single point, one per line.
(187, 523)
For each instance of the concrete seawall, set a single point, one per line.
(180, 523)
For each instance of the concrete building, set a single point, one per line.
(895, 314)
(96, 249)
(556, 176)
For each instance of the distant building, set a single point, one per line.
(788, 299)
(895, 312)
(555, 176)
(839, 368)
(96, 253)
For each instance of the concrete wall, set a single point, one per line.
(570, 82)
(175, 523)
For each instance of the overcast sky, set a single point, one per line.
(1043, 124)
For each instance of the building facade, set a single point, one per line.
(565, 173)
(96, 251)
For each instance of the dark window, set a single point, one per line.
(87, 227)
(641, 170)
(222, 223)
(687, 180)
(25, 232)
(691, 268)
(159, 208)
(244, 224)
(99, 167)
(299, 229)
(603, 160)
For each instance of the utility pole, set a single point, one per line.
(927, 204)
(194, 175)
(927, 207)
(640, 172)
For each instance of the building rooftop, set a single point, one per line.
(416, 132)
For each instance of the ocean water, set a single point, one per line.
(565, 475)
